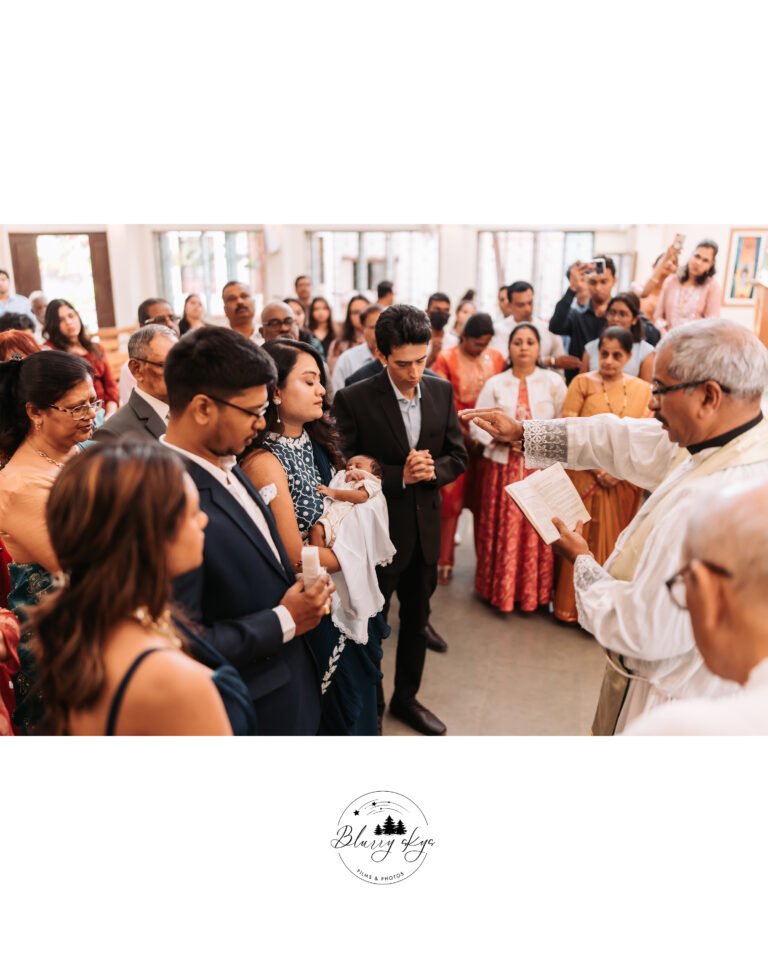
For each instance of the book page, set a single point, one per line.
(547, 494)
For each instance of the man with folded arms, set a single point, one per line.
(708, 431)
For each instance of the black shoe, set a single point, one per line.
(434, 640)
(417, 716)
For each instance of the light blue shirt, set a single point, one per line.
(640, 351)
(16, 304)
(350, 362)
(410, 410)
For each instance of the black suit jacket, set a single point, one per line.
(369, 420)
(233, 595)
(136, 417)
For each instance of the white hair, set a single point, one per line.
(138, 345)
(35, 294)
(719, 350)
(732, 531)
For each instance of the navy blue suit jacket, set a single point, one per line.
(233, 595)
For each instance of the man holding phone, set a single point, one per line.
(586, 325)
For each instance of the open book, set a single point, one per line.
(546, 494)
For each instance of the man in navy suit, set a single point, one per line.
(245, 595)
(408, 423)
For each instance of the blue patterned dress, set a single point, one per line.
(349, 699)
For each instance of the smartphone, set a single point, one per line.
(596, 266)
(679, 241)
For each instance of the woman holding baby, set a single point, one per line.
(293, 466)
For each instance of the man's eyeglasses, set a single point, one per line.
(676, 584)
(170, 318)
(81, 411)
(154, 363)
(658, 390)
(257, 414)
(286, 322)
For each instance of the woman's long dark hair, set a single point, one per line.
(110, 515)
(285, 353)
(311, 322)
(516, 330)
(706, 245)
(348, 332)
(40, 379)
(184, 325)
(52, 330)
(632, 302)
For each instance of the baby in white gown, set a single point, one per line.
(355, 525)
(359, 483)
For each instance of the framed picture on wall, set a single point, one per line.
(747, 256)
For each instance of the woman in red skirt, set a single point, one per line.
(467, 367)
(514, 566)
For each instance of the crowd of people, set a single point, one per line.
(176, 508)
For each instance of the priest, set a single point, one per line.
(708, 431)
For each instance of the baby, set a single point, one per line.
(357, 484)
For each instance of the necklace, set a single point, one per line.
(46, 457)
(608, 402)
(163, 624)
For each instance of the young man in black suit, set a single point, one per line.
(245, 595)
(409, 424)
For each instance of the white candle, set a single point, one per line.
(310, 565)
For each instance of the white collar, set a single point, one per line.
(160, 408)
(222, 472)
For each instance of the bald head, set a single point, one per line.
(726, 579)
(733, 533)
(278, 320)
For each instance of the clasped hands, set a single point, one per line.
(419, 466)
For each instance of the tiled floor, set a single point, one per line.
(503, 675)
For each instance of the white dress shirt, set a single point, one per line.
(160, 408)
(235, 488)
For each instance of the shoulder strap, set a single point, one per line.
(117, 700)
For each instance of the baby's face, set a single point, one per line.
(360, 463)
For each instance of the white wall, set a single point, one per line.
(133, 267)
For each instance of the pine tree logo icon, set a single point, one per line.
(382, 837)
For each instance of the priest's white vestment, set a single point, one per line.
(625, 604)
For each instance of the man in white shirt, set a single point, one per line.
(708, 431)
(724, 586)
(353, 359)
(245, 595)
(240, 310)
(146, 411)
(520, 306)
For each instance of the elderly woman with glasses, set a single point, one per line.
(48, 405)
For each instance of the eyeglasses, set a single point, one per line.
(153, 363)
(660, 389)
(81, 411)
(676, 584)
(164, 318)
(257, 414)
(285, 322)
